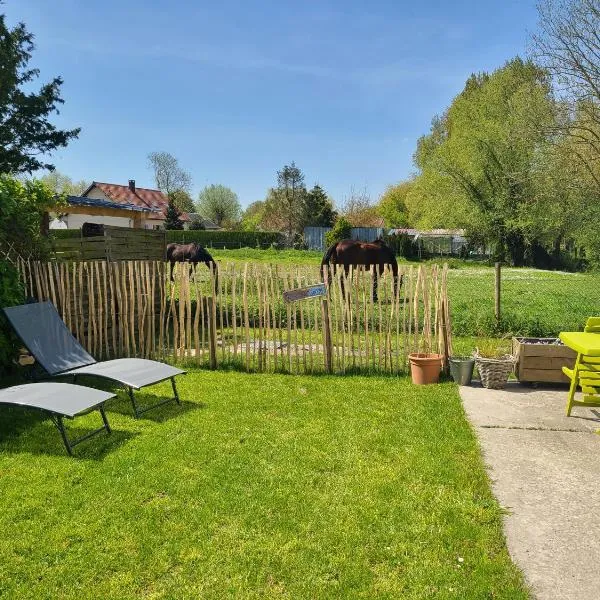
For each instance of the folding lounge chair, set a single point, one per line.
(60, 400)
(46, 336)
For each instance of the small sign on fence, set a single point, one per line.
(312, 291)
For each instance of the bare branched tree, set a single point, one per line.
(168, 175)
(568, 45)
(291, 194)
(359, 209)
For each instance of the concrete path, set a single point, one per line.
(545, 471)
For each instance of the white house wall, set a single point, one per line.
(76, 220)
(152, 223)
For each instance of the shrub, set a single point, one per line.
(22, 206)
(228, 239)
(11, 293)
(341, 230)
(402, 245)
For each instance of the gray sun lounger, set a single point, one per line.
(60, 400)
(46, 336)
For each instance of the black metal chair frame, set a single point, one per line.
(71, 443)
(58, 420)
(137, 411)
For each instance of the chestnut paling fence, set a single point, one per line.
(240, 317)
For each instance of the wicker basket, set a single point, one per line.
(494, 372)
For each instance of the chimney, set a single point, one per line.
(132, 185)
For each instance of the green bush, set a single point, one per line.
(402, 245)
(11, 293)
(228, 239)
(22, 206)
(341, 230)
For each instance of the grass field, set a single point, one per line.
(276, 257)
(259, 486)
(534, 302)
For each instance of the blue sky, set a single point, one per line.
(235, 90)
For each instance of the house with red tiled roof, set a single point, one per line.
(151, 204)
(120, 206)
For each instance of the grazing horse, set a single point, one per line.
(192, 253)
(376, 254)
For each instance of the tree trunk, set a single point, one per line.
(556, 247)
(515, 242)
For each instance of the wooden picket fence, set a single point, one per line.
(240, 317)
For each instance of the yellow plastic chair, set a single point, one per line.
(592, 325)
(586, 372)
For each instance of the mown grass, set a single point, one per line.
(272, 256)
(260, 486)
(533, 302)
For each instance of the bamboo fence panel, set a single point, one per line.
(131, 309)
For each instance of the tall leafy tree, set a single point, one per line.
(219, 204)
(26, 134)
(291, 196)
(172, 216)
(318, 208)
(183, 201)
(252, 217)
(486, 149)
(273, 216)
(168, 174)
(392, 204)
(60, 183)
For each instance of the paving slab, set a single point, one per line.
(526, 407)
(545, 472)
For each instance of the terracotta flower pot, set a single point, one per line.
(425, 367)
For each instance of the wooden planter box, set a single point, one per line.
(542, 362)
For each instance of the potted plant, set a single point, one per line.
(494, 366)
(425, 367)
(461, 369)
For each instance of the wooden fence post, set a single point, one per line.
(327, 340)
(327, 326)
(212, 334)
(444, 330)
(497, 292)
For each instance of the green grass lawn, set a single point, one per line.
(533, 302)
(259, 486)
(279, 257)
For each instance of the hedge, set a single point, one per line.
(227, 239)
(211, 239)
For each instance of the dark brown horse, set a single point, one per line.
(192, 253)
(353, 253)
